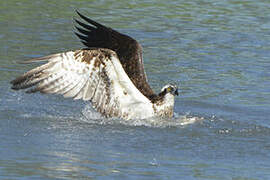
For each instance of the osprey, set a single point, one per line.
(109, 73)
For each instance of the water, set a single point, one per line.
(217, 51)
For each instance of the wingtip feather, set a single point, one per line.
(90, 20)
(83, 38)
(82, 30)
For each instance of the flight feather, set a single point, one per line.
(129, 51)
(95, 75)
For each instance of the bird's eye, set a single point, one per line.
(169, 89)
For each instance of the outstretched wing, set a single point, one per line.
(128, 50)
(94, 75)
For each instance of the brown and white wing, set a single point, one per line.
(129, 51)
(95, 75)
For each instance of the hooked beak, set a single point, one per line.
(176, 92)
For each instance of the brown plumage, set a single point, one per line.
(109, 73)
(128, 50)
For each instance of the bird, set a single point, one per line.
(108, 72)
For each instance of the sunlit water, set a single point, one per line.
(216, 51)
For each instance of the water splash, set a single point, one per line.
(91, 116)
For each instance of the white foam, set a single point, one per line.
(91, 116)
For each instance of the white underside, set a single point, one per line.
(133, 104)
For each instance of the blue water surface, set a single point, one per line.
(216, 51)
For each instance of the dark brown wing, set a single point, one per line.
(128, 50)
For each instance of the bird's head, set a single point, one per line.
(169, 88)
(166, 103)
